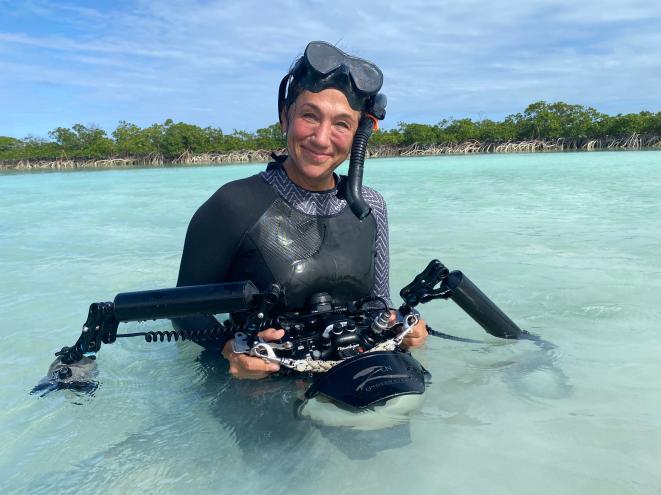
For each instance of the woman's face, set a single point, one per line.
(320, 129)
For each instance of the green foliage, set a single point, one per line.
(393, 137)
(30, 148)
(641, 123)
(180, 138)
(238, 140)
(215, 138)
(8, 143)
(270, 138)
(64, 137)
(557, 120)
(130, 140)
(418, 133)
(488, 130)
(540, 120)
(458, 130)
(83, 142)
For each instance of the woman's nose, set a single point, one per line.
(321, 136)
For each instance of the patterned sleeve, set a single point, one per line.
(382, 261)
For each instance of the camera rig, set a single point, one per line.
(341, 341)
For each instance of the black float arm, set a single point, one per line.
(482, 309)
(458, 287)
(184, 301)
(104, 318)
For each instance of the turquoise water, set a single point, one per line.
(568, 244)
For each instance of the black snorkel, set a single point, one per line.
(324, 66)
(353, 191)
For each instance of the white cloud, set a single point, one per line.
(220, 62)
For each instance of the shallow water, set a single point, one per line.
(568, 244)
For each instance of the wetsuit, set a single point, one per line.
(267, 229)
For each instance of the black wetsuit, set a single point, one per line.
(268, 230)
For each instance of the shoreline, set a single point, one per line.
(635, 142)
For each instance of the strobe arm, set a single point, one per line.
(422, 289)
(100, 326)
(104, 318)
(458, 287)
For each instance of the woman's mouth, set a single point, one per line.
(314, 155)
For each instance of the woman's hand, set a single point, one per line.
(243, 366)
(417, 336)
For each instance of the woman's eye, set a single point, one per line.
(309, 116)
(343, 125)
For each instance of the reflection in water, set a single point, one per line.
(222, 427)
(79, 377)
(265, 416)
(244, 428)
(535, 374)
(248, 433)
(530, 370)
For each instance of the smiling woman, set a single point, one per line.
(320, 128)
(297, 224)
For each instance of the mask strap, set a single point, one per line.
(282, 94)
(375, 122)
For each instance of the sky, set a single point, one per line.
(219, 63)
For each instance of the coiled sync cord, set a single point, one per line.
(162, 336)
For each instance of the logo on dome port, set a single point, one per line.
(371, 375)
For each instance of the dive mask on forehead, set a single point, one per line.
(324, 66)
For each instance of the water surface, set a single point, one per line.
(568, 244)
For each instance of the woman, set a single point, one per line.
(298, 224)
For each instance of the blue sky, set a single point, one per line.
(219, 63)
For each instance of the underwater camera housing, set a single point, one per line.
(353, 351)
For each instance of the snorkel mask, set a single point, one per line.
(324, 66)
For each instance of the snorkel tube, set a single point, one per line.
(354, 187)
